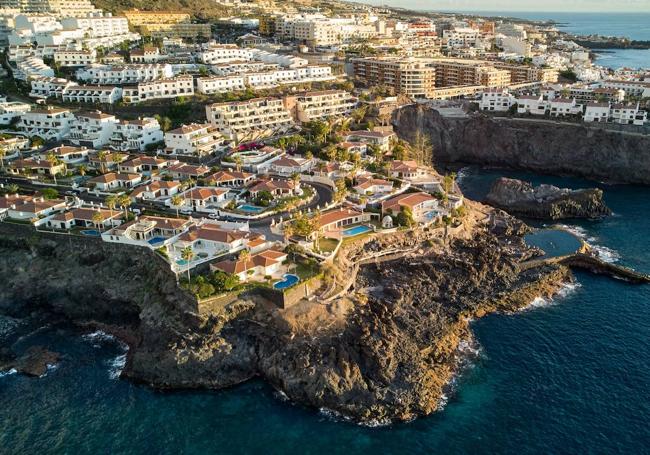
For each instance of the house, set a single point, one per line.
(106, 161)
(150, 230)
(335, 219)
(157, 189)
(370, 186)
(212, 239)
(85, 217)
(202, 198)
(408, 170)
(13, 145)
(113, 180)
(597, 112)
(423, 206)
(496, 99)
(563, 106)
(182, 171)
(50, 124)
(532, 104)
(628, 114)
(286, 166)
(266, 263)
(105, 94)
(354, 148)
(148, 54)
(143, 164)
(136, 134)
(92, 129)
(380, 139)
(30, 207)
(35, 166)
(67, 154)
(230, 179)
(277, 187)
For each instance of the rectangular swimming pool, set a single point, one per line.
(250, 208)
(356, 231)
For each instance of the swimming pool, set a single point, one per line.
(156, 240)
(181, 262)
(288, 281)
(93, 232)
(355, 231)
(250, 208)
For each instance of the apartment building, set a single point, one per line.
(50, 124)
(138, 18)
(411, 77)
(92, 129)
(195, 140)
(224, 53)
(597, 112)
(628, 114)
(135, 134)
(270, 79)
(532, 104)
(60, 8)
(179, 30)
(124, 74)
(497, 100)
(308, 106)
(160, 89)
(632, 88)
(220, 84)
(97, 25)
(75, 58)
(148, 54)
(453, 72)
(11, 110)
(95, 94)
(524, 73)
(46, 87)
(461, 37)
(255, 118)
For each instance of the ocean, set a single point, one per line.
(568, 375)
(635, 26)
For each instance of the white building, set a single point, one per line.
(93, 129)
(124, 74)
(497, 99)
(97, 25)
(597, 112)
(75, 57)
(102, 94)
(217, 84)
(52, 124)
(196, 140)
(532, 104)
(160, 89)
(563, 106)
(224, 53)
(255, 118)
(136, 134)
(97, 129)
(628, 114)
(318, 105)
(10, 110)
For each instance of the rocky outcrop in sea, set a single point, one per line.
(546, 202)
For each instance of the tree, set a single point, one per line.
(177, 201)
(101, 157)
(223, 281)
(359, 114)
(187, 255)
(238, 163)
(3, 153)
(54, 161)
(37, 141)
(111, 203)
(448, 183)
(50, 193)
(264, 198)
(399, 152)
(341, 190)
(405, 217)
(98, 219)
(125, 202)
(165, 122)
(287, 231)
(13, 188)
(422, 149)
(330, 152)
(82, 170)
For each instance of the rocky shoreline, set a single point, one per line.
(385, 353)
(537, 145)
(546, 202)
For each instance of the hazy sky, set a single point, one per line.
(521, 5)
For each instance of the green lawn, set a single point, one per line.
(327, 245)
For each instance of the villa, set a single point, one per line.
(379, 139)
(277, 187)
(155, 190)
(29, 207)
(182, 171)
(108, 161)
(423, 206)
(286, 166)
(407, 170)
(148, 230)
(112, 180)
(231, 179)
(85, 217)
(333, 220)
(266, 263)
(67, 154)
(212, 240)
(202, 198)
(373, 186)
(143, 164)
(35, 166)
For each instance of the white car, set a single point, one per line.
(186, 211)
(213, 216)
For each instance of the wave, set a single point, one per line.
(605, 253)
(50, 367)
(336, 416)
(8, 372)
(116, 366)
(96, 337)
(544, 302)
(462, 174)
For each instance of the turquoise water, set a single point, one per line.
(567, 376)
(350, 232)
(250, 208)
(288, 281)
(91, 232)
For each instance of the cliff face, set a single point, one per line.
(546, 201)
(537, 146)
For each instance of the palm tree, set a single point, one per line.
(101, 156)
(187, 254)
(124, 201)
(244, 256)
(13, 188)
(176, 201)
(111, 203)
(287, 231)
(238, 163)
(54, 161)
(3, 153)
(82, 170)
(98, 219)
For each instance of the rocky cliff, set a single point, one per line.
(546, 201)
(545, 147)
(388, 353)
